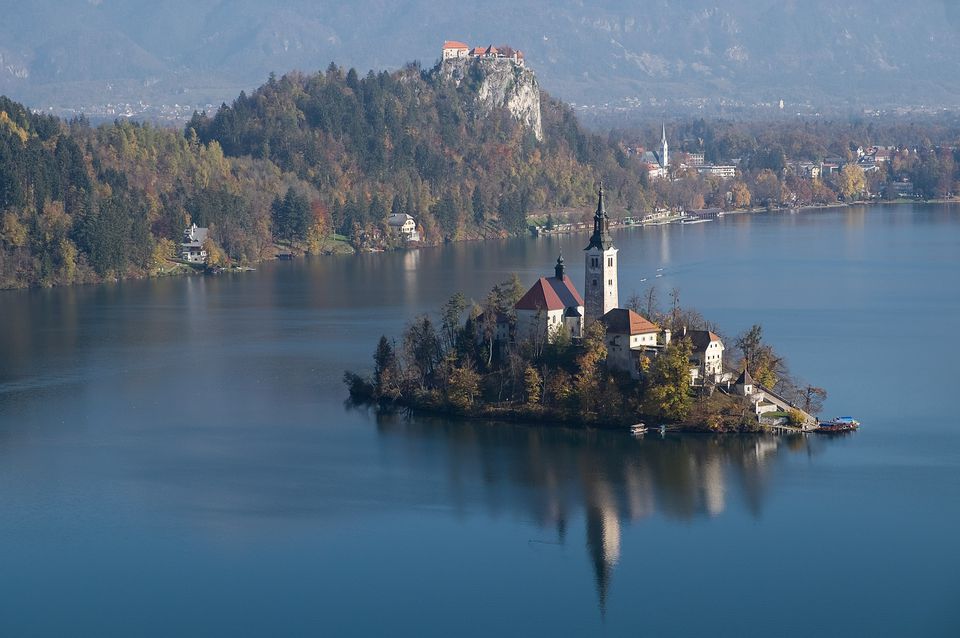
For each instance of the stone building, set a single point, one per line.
(600, 271)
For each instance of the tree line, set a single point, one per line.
(312, 162)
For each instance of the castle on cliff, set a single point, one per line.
(453, 50)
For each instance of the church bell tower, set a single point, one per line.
(600, 276)
(664, 147)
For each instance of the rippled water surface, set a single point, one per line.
(176, 457)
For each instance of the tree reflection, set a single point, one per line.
(611, 479)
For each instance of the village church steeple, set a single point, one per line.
(600, 279)
(664, 147)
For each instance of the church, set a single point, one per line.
(554, 303)
(658, 162)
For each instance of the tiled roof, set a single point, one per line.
(550, 294)
(622, 321)
(454, 44)
(701, 339)
(566, 291)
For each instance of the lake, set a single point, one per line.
(176, 456)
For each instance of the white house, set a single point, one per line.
(725, 171)
(629, 335)
(403, 224)
(192, 249)
(453, 49)
(707, 355)
(551, 304)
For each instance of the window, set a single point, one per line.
(609, 282)
(594, 283)
(594, 262)
(610, 262)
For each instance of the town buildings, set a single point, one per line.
(724, 171)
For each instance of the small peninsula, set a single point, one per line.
(552, 356)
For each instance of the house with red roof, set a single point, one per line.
(630, 337)
(453, 49)
(551, 305)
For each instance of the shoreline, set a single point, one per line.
(247, 267)
(548, 418)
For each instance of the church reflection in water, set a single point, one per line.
(610, 479)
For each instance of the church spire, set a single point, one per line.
(558, 269)
(664, 148)
(601, 223)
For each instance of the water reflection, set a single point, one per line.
(610, 480)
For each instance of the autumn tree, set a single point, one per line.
(463, 386)
(852, 182)
(589, 373)
(668, 391)
(741, 195)
(765, 365)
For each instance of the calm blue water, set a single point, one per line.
(176, 457)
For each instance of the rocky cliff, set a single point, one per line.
(500, 83)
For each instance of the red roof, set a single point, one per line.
(477, 51)
(550, 294)
(624, 321)
(454, 44)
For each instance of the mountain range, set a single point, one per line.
(857, 52)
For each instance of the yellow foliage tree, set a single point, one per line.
(852, 181)
(532, 382)
(462, 388)
(12, 231)
(215, 256)
(67, 254)
(163, 250)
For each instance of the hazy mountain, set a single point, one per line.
(858, 51)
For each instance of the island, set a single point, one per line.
(553, 356)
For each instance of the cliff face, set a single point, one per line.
(502, 84)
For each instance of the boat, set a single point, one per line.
(687, 222)
(839, 424)
(638, 429)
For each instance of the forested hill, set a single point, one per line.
(301, 158)
(414, 142)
